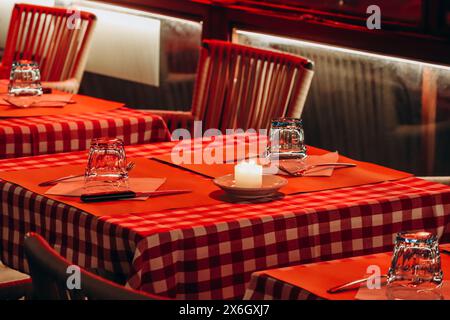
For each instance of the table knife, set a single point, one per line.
(112, 196)
(350, 285)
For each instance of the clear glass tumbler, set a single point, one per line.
(415, 272)
(106, 169)
(25, 79)
(287, 139)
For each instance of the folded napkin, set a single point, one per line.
(297, 164)
(75, 187)
(44, 101)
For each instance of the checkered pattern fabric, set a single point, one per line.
(263, 287)
(29, 136)
(210, 252)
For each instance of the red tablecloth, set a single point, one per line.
(29, 136)
(211, 251)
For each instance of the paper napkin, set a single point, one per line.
(75, 187)
(296, 164)
(48, 100)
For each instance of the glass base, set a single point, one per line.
(287, 155)
(98, 186)
(399, 292)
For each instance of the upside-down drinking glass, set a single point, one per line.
(287, 139)
(25, 79)
(106, 169)
(415, 272)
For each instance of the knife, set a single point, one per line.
(112, 196)
(351, 285)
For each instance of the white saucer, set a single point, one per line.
(270, 185)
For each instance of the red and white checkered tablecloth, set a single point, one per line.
(28, 136)
(264, 287)
(210, 252)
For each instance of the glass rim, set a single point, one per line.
(287, 119)
(416, 237)
(25, 62)
(106, 141)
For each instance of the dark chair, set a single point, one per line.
(49, 276)
(15, 289)
(14, 285)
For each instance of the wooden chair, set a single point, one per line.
(51, 37)
(49, 277)
(244, 87)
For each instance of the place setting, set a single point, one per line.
(25, 89)
(24, 95)
(272, 166)
(106, 177)
(287, 164)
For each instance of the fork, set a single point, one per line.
(352, 285)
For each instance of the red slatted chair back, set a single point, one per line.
(47, 35)
(244, 87)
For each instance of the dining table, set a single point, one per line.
(315, 281)
(206, 244)
(40, 129)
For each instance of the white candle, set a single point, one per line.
(248, 175)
